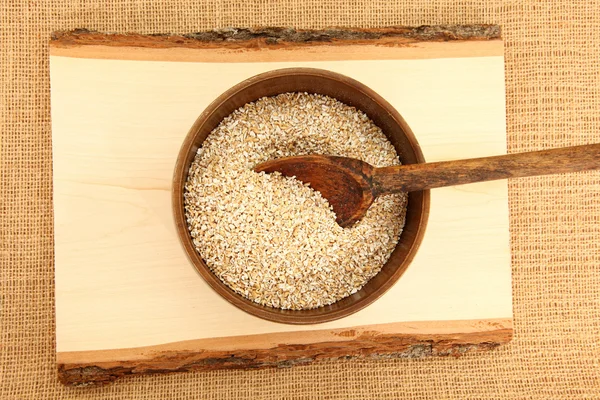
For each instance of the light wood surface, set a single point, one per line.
(122, 279)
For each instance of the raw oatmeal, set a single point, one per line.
(273, 239)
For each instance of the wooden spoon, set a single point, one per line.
(351, 185)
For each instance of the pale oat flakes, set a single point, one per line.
(273, 239)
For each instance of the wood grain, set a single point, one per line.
(277, 350)
(460, 172)
(278, 45)
(277, 37)
(123, 282)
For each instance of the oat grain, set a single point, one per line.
(273, 239)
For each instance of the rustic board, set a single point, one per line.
(127, 299)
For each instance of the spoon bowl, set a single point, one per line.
(344, 182)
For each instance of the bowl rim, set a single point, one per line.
(295, 317)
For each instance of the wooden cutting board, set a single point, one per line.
(127, 299)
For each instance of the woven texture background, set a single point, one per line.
(553, 99)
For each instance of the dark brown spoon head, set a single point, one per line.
(344, 182)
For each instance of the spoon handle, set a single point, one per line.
(413, 177)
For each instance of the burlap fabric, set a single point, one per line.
(553, 99)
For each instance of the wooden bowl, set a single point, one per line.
(349, 92)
